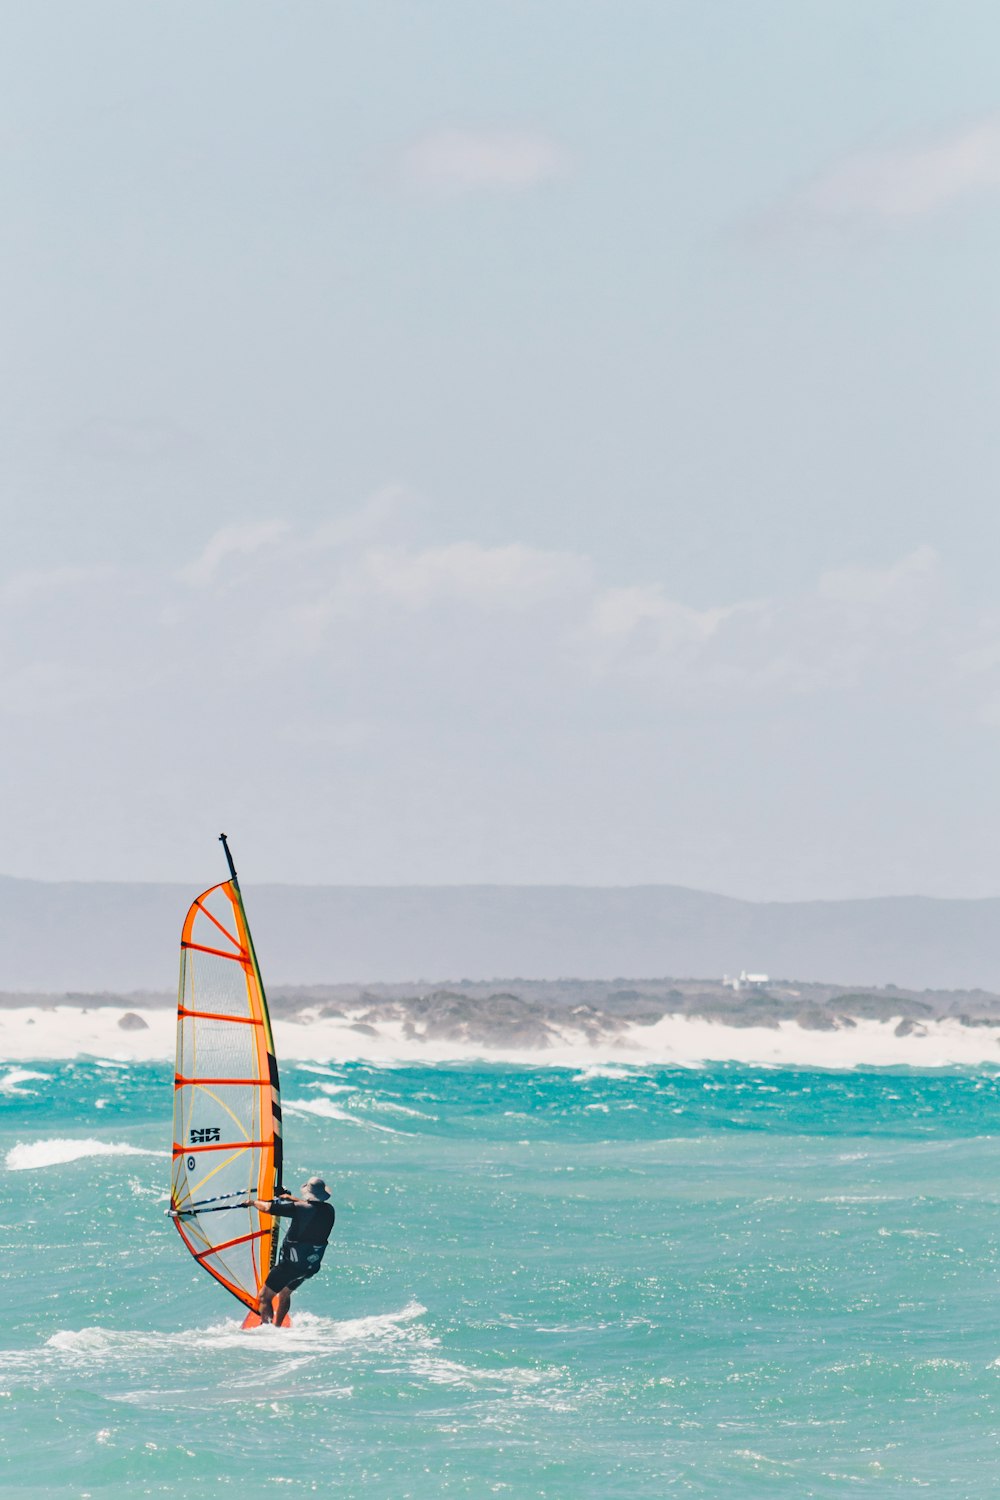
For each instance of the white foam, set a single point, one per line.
(82, 1341)
(331, 1111)
(375, 1326)
(440, 1371)
(443, 1371)
(312, 1333)
(54, 1152)
(602, 1070)
(12, 1082)
(399, 1109)
(309, 1334)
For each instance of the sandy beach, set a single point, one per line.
(39, 1032)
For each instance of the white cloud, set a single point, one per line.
(456, 692)
(909, 182)
(909, 578)
(385, 508)
(879, 601)
(378, 590)
(639, 629)
(453, 161)
(230, 542)
(351, 607)
(619, 612)
(853, 626)
(512, 578)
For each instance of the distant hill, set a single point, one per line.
(65, 936)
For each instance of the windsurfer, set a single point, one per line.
(305, 1240)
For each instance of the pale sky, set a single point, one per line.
(513, 441)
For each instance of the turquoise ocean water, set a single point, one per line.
(716, 1282)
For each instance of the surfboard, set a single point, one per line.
(227, 1141)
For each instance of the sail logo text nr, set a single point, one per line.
(205, 1136)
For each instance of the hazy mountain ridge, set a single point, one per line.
(89, 937)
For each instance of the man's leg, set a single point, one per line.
(264, 1303)
(282, 1303)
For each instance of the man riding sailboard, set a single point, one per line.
(301, 1256)
(226, 1195)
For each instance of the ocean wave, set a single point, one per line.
(437, 1370)
(310, 1333)
(12, 1082)
(391, 1107)
(56, 1151)
(604, 1070)
(374, 1326)
(83, 1341)
(330, 1111)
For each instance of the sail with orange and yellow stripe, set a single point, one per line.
(227, 1107)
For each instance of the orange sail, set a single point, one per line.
(227, 1109)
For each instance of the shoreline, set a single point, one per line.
(35, 1033)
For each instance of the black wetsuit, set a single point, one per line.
(305, 1240)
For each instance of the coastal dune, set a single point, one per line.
(551, 1025)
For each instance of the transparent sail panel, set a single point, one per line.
(226, 1110)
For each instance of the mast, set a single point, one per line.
(272, 1061)
(229, 860)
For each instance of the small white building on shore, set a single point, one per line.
(747, 981)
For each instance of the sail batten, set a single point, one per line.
(227, 1115)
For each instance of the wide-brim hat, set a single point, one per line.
(315, 1189)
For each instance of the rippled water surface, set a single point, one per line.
(724, 1282)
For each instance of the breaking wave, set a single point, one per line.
(30, 1156)
(14, 1081)
(331, 1111)
(309, 1332)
